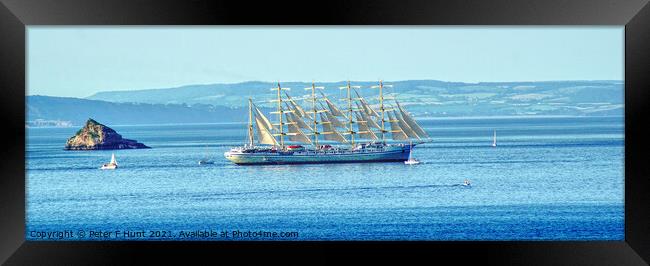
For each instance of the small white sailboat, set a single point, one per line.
(110, 166)
(411, 160)
(206, 160)
(494, 139)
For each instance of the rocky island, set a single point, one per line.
(95, 136)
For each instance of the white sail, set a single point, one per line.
(305, 117)
(263, 119)
(295, 107)
(329, 133)
(295, 134)
(335, 121)
(405, 127)
(494, 139)
(367, 118)
(293, 118)
(264, 136)
(332, 119)
(333, 109)
(411, 122)
(366, 107)
(113, 161)
(364, 131)
(395, 129)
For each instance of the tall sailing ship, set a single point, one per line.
(326, 133)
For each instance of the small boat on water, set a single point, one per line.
(206, 159)
(494, 139)
(110, 166)
(411, 160)
(466, 183)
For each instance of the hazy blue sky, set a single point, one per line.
(79, 61)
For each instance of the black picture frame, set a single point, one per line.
(15, 15)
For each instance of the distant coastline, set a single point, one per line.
(426, 99)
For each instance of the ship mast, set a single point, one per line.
(381, 108)
(350, 113)
(280, 113)
(280, 116)
(313, 106)
(250, 122)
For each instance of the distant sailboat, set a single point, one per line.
(206, 160)
(494, 139)
(110, 166)
(411, 160)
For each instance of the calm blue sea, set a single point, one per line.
(548, 179)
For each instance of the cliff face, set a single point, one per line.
(95, 136)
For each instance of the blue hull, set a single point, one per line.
(325, 162)
(394, 154)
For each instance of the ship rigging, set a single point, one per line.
(360, 132)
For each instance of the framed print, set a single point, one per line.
(501, 130)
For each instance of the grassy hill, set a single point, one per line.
(423, 97)
(228, 102)
(78, 111)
